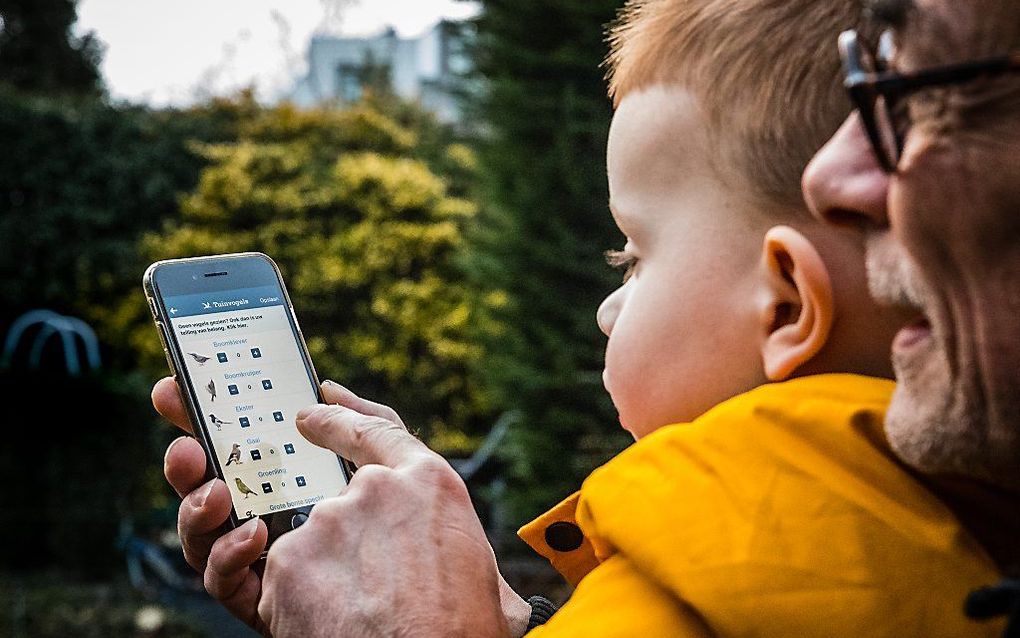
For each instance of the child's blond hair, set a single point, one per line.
(765, 71)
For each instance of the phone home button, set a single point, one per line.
(298, 520)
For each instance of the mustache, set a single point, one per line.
(893, 278)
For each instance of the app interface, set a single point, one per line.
(246, 368)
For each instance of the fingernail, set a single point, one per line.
(202, 493)
(250, 528)
(336, 386)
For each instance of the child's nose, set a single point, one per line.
(609, 310)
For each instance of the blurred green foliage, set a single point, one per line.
(544, 228)
(81, 180)
(364, 210)
(38, 52)
(367, 235)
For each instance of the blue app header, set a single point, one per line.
(207, 303)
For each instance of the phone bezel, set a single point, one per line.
(243, 270)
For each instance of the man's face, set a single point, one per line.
(944, 239)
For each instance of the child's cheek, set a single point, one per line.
(622, 390)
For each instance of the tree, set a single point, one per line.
(80, 182)
(367, 237)
(38, 52)
(546, 225)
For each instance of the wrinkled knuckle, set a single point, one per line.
(213, 582)
(189, 508)
(332, 416)
(437, 471)
(391, 415)
(197, 560)
(279, 563)
(194, 557)
(283, 548)
(371, 479)
(435, 466)
(386, 424)
(370, 431)
(359, 430)
(326, 514)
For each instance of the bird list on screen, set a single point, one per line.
(245, 365)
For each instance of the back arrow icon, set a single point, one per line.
(173, 311)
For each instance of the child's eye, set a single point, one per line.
(623, 260)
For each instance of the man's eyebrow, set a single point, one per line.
(889, 13)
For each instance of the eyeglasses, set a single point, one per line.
(877, 92)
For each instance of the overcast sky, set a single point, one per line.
(175, 52)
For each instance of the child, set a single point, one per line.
(771, 509)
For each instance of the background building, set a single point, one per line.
(428, 69)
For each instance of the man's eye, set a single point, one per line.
(623, 260)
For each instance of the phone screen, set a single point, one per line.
(246, 369)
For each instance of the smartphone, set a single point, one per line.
(232, 341)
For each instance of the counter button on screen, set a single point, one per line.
(244, 422)
(278, 416)
(288, 448)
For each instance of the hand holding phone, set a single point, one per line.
(235, 349)
(229, 561)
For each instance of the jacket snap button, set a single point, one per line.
(563, 536)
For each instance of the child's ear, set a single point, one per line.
(797, 305)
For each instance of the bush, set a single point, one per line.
(368, 238)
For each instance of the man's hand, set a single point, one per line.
(227, 559)
(400, 552)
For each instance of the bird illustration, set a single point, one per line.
(200, 359)
(235, 456)
(218, 422)
(242, 488)
(212, 390)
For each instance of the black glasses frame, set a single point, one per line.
(874, 92)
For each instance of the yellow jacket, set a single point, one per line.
(780, 512)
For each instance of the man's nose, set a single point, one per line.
(844, 183)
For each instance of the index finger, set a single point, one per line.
(358, 437)
(166, 398)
